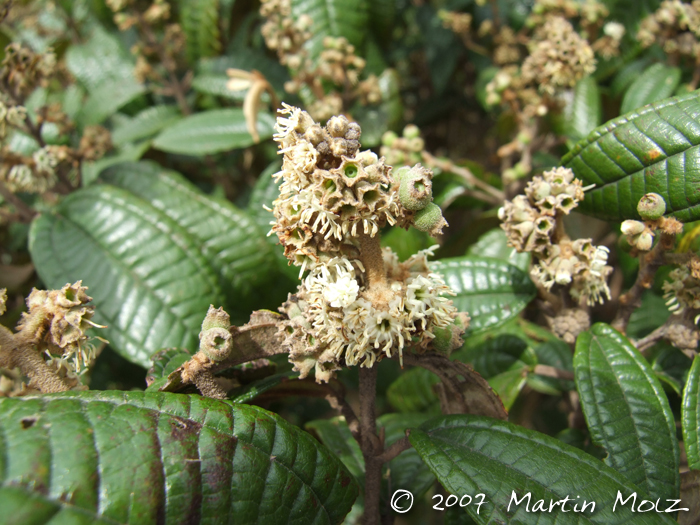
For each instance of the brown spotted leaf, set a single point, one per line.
(142, 458)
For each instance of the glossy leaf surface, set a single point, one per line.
(472, 455)
(690, 416)
(150, 283)
(141, 458)
(231, 241)
(654, 149)
(491, 291)
(655, 83)
(627, 411)
(212, 131)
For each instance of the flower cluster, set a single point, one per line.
(559, 58)
(326, 81)
(358, 303)
(675, 26)
(682, 290)
(59, 318)
(403, 150)
(532, 223)
(23, 70)
(334, 321)
(330, 193)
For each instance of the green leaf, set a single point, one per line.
(200, 23)
(100, 59)
(627, 75)
(656, 149)
(413, 392)
(689, 416)
(655, 83)
(583, 113)
(473, 455)
(229, 239)
(142, 458)
(106, 69)
(212, 131)
(107, 98)
(127, 153)
(335, 434)
(627, 411)
(494, 243)
(150, 283)
(490, 290)
(165, 362)
(146, 124)
(382, 14)
(346, 18)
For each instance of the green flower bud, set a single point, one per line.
(416, 188)
(216, 318)
(389, 138)
(651, 207)
(411, 131)
(430, 220)
(215, 340)
(400, 173)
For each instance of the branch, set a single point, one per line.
(394, 450)
(491, 194)
(370, 444)
(550, 371)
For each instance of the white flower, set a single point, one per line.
(343, 292)
(614, 30)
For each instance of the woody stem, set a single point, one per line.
(371, 257)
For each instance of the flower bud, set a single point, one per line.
(644, 241)
(411, 131)
(389, 138)
(632, 227)
(430, 220)
(651, 207)
(415, 190)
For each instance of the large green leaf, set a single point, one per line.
(106, 69)
(232, 243)
(141, 458)
(492, 291)
(99, 59)
(655, 149)
(146, 124)
(200, 23)
(627, 411)
(494, 243)
(582, 113)
(150, 283)
(212, 131)
(690, 416)
(655, 83)
(346, 18)
(473, 455)
(108, 97)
